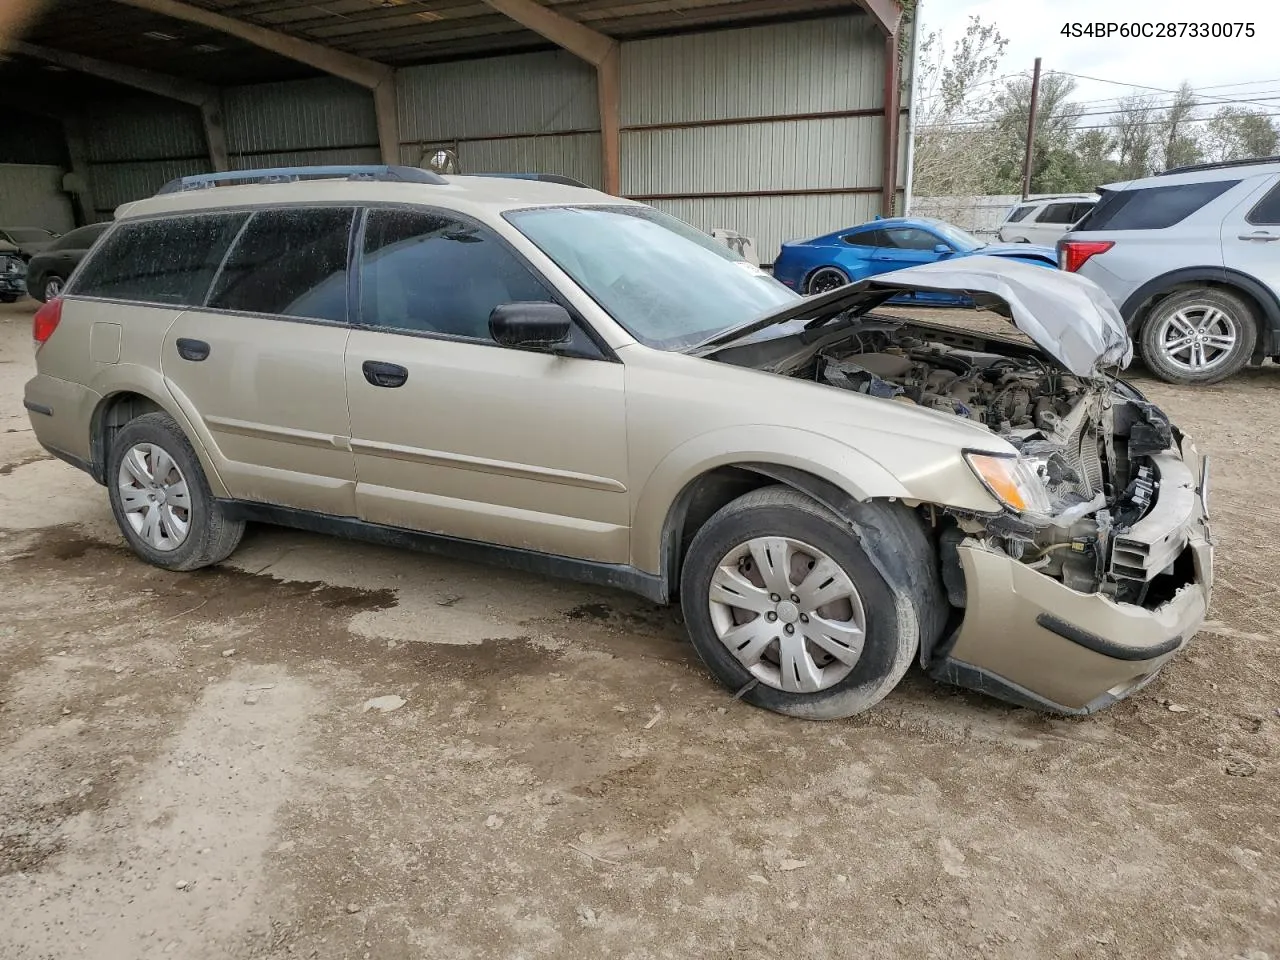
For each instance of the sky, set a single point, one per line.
(1223, 69)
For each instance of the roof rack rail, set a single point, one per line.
(543, 177)
(1221, 165)
(382, 173)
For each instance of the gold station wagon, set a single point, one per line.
(542, 375)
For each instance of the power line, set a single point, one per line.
(1140, 86)
(1197, 90)
(1092, 126)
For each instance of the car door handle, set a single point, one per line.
(194, 350)
(382, 374)
(1260, 235)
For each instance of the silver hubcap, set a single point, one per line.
(788, 613)
(826, 280)
(52, 288)
(154, 496)
(1197, 338)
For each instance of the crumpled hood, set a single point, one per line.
(1068, 316)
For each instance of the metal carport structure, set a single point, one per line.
(768, 116)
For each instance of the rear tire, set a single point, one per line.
(161, 499)
(52, 287)
(776, 522)
(824, 280)
(1224, 323)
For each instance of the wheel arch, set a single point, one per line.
(1140, 303)
(871, 520)
(690, 485)
(124, 403)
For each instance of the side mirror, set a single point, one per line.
(530, 326)
(942, 248)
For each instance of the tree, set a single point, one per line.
(1236, 134)
(1134, 125)
(1178, 142)
(954, 134)
(1053, 164)
(1095, 152)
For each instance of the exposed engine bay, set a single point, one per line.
(1089, 444)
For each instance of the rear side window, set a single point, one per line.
(1063, 213)
(429, 272)
(1018, 214)
(1152, 208)
(1267, 210)
(169, 261)
(289, 263)
(868, 238)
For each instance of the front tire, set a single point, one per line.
(52, 287)
(785, 607)
(161, 499)
(824, 280)
(1198, 336)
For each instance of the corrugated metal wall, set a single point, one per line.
(31, 196)
(320, 121)
(771, 131)
(135, 145)
(533, 113)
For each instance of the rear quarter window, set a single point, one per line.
(168, 261)
(1018, 214)
(1152, 208)
(1267, 210)
(289, 263)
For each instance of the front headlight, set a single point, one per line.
(1011, 480)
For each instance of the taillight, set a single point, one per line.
(1073, 253)
(46, 321)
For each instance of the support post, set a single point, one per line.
(1031, 131)
(78, 155)
(892, 114)
(387, 111)
(609, 87)
(602, 52)
(215, 133)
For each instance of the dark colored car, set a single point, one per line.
(28, 240)
(13, 273)
(48, 271)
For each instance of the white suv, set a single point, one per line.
(1190, 259)
(1045, 219)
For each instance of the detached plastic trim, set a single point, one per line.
(381, 173)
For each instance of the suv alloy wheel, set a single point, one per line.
(1198, 336)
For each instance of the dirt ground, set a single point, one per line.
(188, 767)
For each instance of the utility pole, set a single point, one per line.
(1031, 131)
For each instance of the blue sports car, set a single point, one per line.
(855, 253)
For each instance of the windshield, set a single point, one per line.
(669, 285)
(963, 241)
(28, 234)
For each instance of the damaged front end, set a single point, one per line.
(1099, 565)
(1090, 453)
